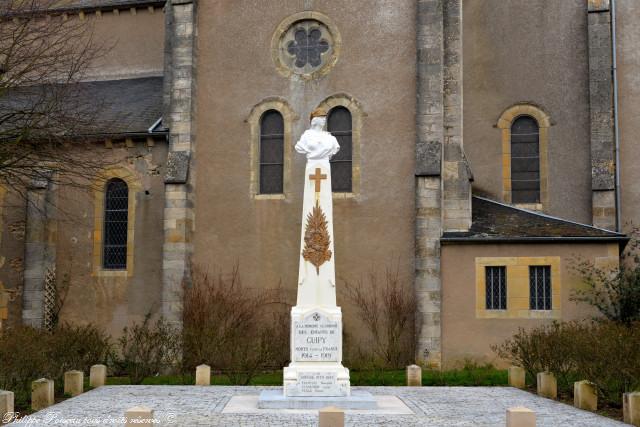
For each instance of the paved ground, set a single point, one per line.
(203, 406)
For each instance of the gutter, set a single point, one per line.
(485, 240)
(616, 127)
(444, 241)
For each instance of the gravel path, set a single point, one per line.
(203, 406)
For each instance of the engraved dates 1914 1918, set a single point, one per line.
(316, 339)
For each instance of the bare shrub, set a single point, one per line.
(388, 311)
(28, 353)
(24, 359)
(77, 347)
(234, 329)
(147, 349)
(604, 352)
(613, 291)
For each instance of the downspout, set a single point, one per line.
(614, 70)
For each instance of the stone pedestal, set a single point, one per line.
(138, 415)
(547, 385)
(414, 376)
(203, 375)
(97, 375)
(585, 395)
(316, 354)
(6, 406)
(331, 417)
(516, 377)
(631, 408)
(521, 417)
(73, 383)
(41, 394)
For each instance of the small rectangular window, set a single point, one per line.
(540, 287)
(496, 288)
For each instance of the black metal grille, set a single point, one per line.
(271, 152)
(496, 288)
(116, 211)
(339, 124)
(540, 287)
(525, 161)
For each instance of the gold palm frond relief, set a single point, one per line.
(316, 238)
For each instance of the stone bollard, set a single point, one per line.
(138, 415)
(203, 375)
(73, 383)
(41, 394)
(331, 417)
(516, 377)
(6, 406)
(547, 385)
(631, 408)
(97, 376)
(585, 395)
(521, 417)
(414, 376)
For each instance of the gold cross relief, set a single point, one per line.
(318, 177)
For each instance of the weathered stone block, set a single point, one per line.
(521, 417)
(177, 168)
(585, 395)
(138, 415)
(414, 376)
(41, 394)
(631, 408)
(331, 417)
(547, 385)
(73, 382)
(516, 377)
(203, 375)
(97, 375)
(6, 406)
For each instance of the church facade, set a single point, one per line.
(484, 145)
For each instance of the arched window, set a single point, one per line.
(271, 152)
(339, 124)
(116, 213)
(525, 160)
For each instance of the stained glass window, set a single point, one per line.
(339, 124)
(271, 152)
(525, 161)
(116, 213)
(308, 47)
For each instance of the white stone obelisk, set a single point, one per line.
(316, 322)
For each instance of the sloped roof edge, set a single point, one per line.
(493, 221)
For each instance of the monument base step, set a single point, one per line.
(275, 399)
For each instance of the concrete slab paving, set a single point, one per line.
(205, 406)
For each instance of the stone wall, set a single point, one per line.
(179, 213)
(375, 70)
(601, 105)
(628, 40)
(530, 52)
(429, 142)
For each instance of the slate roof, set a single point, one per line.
(113, 107)
(129, 106)
(498, 222)
(90, 5)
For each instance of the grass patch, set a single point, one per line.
(467, 376)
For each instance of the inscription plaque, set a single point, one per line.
(317, 384)
(316, 338)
